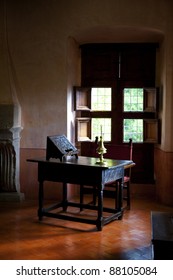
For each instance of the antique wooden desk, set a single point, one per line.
(81, 170)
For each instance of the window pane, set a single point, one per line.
(99, 124)
(101, 99)
(133, 128)
(133, 99)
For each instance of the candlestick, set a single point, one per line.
(101, 150)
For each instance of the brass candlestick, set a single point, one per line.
(101, 150)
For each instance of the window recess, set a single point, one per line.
(122, 66)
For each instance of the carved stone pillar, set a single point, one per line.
(9, 154)
(7, 167)
(10, 117)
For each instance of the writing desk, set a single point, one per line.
(81, 171)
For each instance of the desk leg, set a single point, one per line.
(100, 209)
(40, 195)
(81, 196)
(120, 198)
(65, 196)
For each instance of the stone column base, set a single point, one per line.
(11, 197)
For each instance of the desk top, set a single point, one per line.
(85, 161)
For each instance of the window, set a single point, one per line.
(101, 99)
(101, 127)
(93, 106)
(133, 99)
(98, 114)
(136, 101)
(133, 128)
(117, 92)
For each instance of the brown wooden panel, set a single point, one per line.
(99, 63)
(83, 129)
(150, 99)
(82, 98)
(138, 63)
(163, 163)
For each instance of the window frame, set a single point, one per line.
(117, 114)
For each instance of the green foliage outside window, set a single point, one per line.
(133, 128)
(133, 99)
(101, 99)
(133, 102)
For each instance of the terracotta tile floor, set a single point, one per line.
(23, 237)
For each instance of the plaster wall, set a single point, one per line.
(38, 33)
